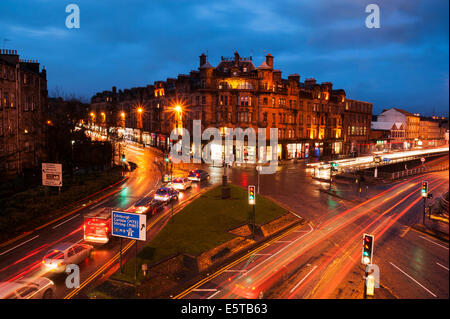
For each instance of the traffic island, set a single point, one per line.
(202, 236)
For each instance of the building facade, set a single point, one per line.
(312, 118)
(23, 109)
(410, 122)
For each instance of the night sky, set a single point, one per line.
(134, 43)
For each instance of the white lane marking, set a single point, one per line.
(281, 250)
(300, 282)
(235, 270)
(442, 266)
(19, 245)
(414, 280)
(434, 242)
(208, 290)
(65, 221)
(213, 294)
(262, 254)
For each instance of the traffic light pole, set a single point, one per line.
(331, 176)
(424, 210)
(254, 221)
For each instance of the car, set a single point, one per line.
(31, 288)
(181, 183)
(65, 254)
(198, 175)
(142, 206)
(248, 292)
(166, 194)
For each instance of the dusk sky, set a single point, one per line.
(126, 44)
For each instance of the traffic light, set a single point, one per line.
(334, 167)
(167, 159)
(367, 252)
(424, 189)
(251, 195)
(123, 157)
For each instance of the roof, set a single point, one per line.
(264, 66)
(400, 110)
(386, 126)
(206, 66)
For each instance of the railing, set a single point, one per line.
(415, 171)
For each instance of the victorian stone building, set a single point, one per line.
(312, 119)
(23, 109)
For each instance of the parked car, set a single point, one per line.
(198, 175)
(65, 254)
(32, 288)
(166, 194)
(181, 183)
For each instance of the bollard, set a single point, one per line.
(144, 269)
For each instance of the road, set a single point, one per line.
(322, 259)
(318, 260)
(22, 259)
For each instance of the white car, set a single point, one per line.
(181, 183)
(65, 254)
(33, 288)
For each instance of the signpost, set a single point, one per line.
(422, 159)
(128, 225)
(51, 174)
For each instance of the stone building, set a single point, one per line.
(237, 93)
(23, 109)
(410, 123)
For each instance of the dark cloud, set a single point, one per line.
(131, 43)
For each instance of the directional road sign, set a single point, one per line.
(129, 225)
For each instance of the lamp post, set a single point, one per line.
(140, 110)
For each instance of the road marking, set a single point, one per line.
(414, 280)
(405, 232)
(65, 221)
(213, 294)
(19, 245)
(299, 283)
(442, 266)
(235, 270)
(207, 290)
(434, 242)
(262, 254)
(284, 241)
(236, 262)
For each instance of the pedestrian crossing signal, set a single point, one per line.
(251, 195)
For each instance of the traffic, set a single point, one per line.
(45, 277)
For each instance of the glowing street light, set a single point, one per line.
(140, 110)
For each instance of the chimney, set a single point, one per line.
(202, 59)
(236, 56)
(269, 60)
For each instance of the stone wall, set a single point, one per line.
(220, 253)
(278, 224)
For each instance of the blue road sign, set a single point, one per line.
(386, 159)
(129, 225)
